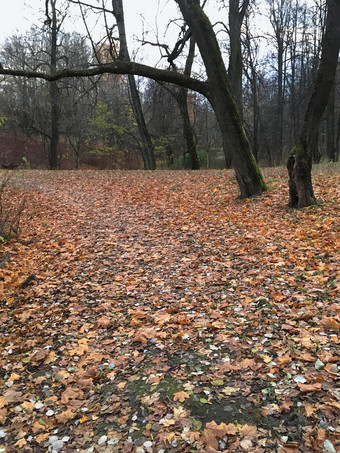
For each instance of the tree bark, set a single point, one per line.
(147, 147)
(236, 16)
(53, 149)
(330, 131)
(222, 100)
(300, 162)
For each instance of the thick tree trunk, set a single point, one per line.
(222, 100)
(147, 147)
(300, 163)
(299, 168)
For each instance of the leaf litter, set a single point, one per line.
(165, 316)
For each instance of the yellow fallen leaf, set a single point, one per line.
(65, 416)
(81, 349)
(181, 396)
(3, 402)
(41, 437)
(167, 422)
(230, 390)
(14, 377)
(28, 407)
(309, 409)
(51, 357)
(21, 443)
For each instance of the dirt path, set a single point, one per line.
(164, 316)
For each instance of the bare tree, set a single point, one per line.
(216, 88)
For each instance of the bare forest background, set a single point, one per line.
(93, 122)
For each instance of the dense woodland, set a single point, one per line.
(96, 121)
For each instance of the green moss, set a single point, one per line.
(299, 152)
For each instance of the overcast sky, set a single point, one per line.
(19, 15)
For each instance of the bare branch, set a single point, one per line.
(118, 67)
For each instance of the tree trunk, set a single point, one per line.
(182, 102)
(222, 100)
(147, 147)
(53, 149)
(331, 127)
(300, 162)
(236, 16)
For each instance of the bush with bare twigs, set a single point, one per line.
(10, 210)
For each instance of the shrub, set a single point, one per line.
(10, 210)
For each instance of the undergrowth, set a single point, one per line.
(11, 209)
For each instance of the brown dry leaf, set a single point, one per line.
(181, 396)
(81, 349)
(248, 431)
(140, 337)
(330, 323)
(231, 429)
(246, 444)
(85, 383)
(11, 396)
(39, 356)
(270, 409)
(104, 322)
(309, 388)
(71, 394)
(286, 406)
(212, 433)
(282, 360)
(121, 385)
(306, 357)
(192, 436)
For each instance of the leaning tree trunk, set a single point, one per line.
(147, 146)
(299, 164)
(222, 100)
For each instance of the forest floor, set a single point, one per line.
(155, 312)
